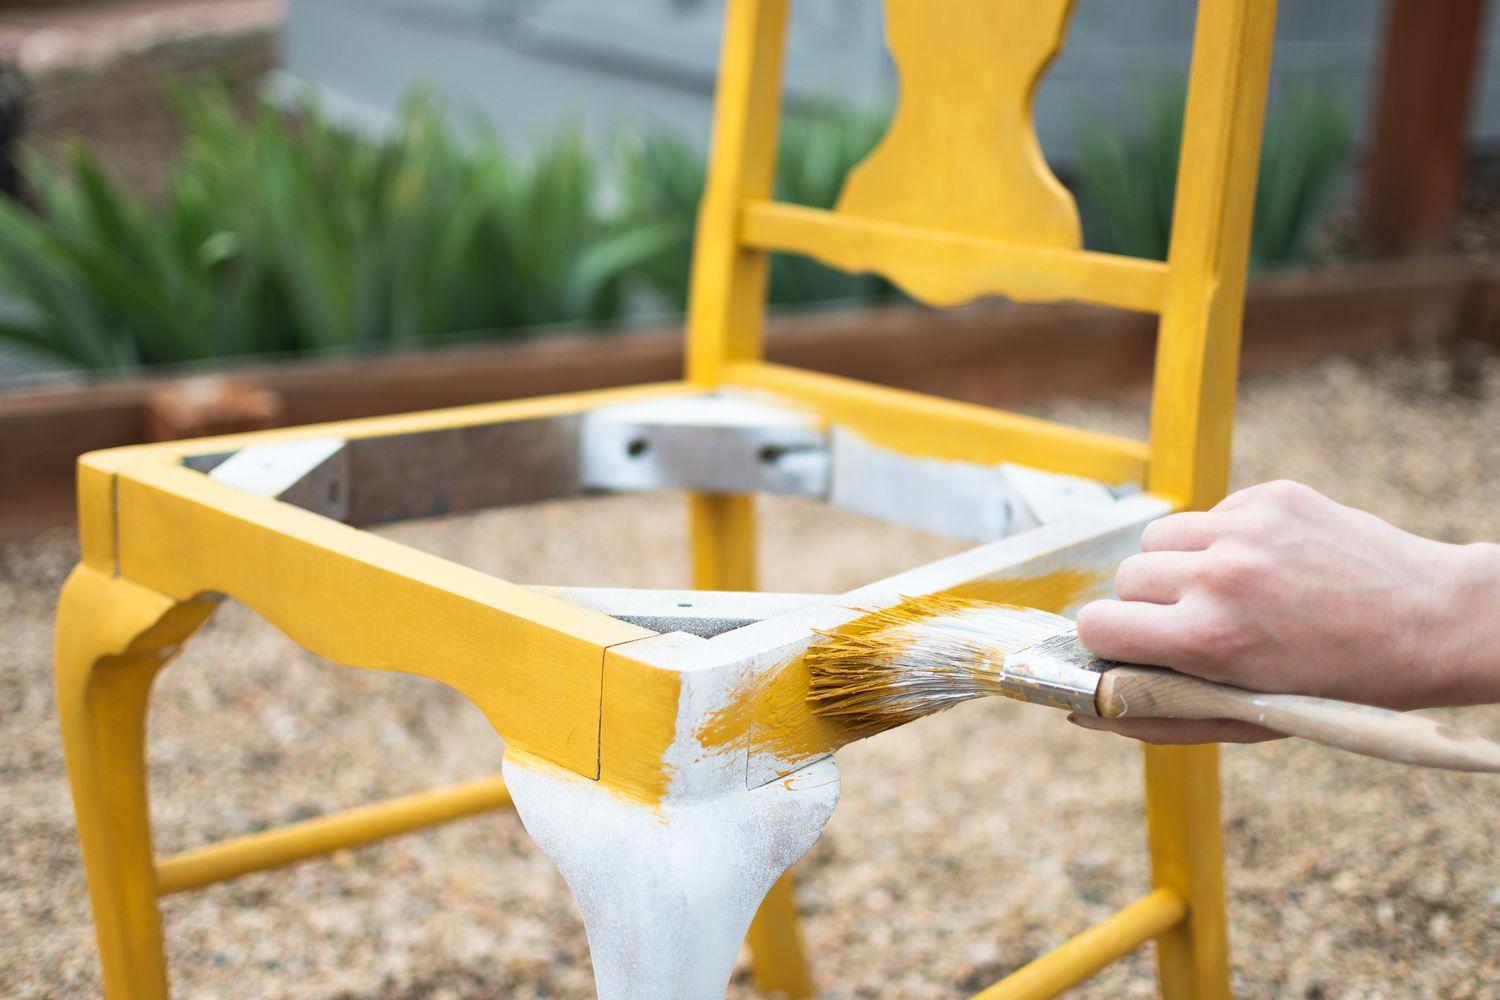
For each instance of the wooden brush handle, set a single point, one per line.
(1152, 692)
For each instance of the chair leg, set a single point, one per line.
(777, 956)
(667, 892)
(723, 533)
(112, 638)
(1187, 856)
(723, 536)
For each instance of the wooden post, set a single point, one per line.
(1418, 147)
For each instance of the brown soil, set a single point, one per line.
(964, 845)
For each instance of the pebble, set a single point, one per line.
(963, 845)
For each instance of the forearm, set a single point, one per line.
(1469, 653)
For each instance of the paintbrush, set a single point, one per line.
(927, 654)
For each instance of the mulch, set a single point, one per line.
(964, 845)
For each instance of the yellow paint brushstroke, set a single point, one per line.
(1054, 592)
(773, 717)
(638, 723)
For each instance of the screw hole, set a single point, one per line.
(637, 447)
(333, 491)
(769, 453)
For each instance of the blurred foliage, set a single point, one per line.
(282, 233)
(661, 176)
(1126, 181)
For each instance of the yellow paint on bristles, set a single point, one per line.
(774, 718)
(916, 657)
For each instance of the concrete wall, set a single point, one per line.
(526, 64)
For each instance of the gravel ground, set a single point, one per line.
(963, 846)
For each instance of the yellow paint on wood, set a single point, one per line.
(1198, 346)
(309, 838)
(115, 460)
(949, 269)
(112, 638)
(961, 153)
(916, 424)
(96, 517)
(1187, 858)
(532, 664)
(1192, 413)
(955, 202)
(774, 717)
(97, 470)
(723, 541)
(638, 725)
(1055, 591)
(778, 957)
(726, 304)
(1085, 954)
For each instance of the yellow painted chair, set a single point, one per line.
(658, 747)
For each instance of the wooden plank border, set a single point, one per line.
(996, 354)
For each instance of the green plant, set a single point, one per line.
(287, 234)
(1127, 182)
(282, 233)
(661, 176)
(819, 145)
(1306, 149)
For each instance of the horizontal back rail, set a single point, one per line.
(917, 424)
(944, 268)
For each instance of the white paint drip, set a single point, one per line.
(668, 894)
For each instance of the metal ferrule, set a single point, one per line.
(1059, 672)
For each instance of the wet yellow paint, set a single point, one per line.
(773, 717)
(777, 703)
(638, 722)
(1054, 592)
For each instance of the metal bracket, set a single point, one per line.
(981, 503)
(311, 474)
(716, 444)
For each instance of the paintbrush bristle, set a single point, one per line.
(916, 657)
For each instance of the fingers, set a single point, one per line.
(1134, 631)
(1239, 498)
(1178, 732)
(1190, 531)
(1156, 577)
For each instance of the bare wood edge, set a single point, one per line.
(962, 431)
(722, 677)
(97, 471)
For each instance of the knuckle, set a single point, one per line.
(1216, 640)
(1131, 572)
(1157, 532)
(1286, 494)
(1236, 569)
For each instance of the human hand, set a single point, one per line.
(1280, 589)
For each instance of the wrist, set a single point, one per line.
(1471, 658)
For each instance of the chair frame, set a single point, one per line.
(658, 719)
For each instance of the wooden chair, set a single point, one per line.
(659, 747)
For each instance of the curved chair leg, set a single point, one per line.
(667, 893)
(112, 638)
(723, 537)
